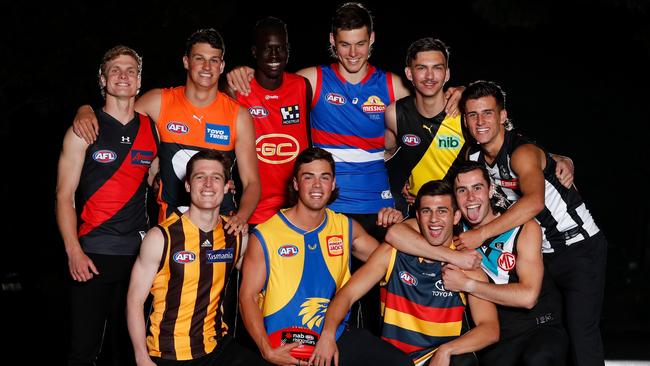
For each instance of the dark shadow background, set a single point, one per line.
(576, 76)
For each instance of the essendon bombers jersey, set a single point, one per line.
(282, 131)
(184, 130)
(111, 196)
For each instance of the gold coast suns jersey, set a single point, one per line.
(304, 271)
(184, 130)
(186, 317)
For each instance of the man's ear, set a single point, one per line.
(503, 116)
(457, 216)
(102, 81)
(409, 75)
(186, 62)
(295, 184)
(187, 186)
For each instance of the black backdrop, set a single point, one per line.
(576, 77)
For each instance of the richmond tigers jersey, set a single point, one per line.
(565, 219)
(186, 317)
(427, 148)
(184, 130)
(418, 313)
(348, 121)
(499, 262)
(112, 192)
(281, 132)
(304, 271)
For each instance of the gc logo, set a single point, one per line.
(276, 148)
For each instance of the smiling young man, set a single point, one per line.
(528, 303)
(421, 316)
(297, 260)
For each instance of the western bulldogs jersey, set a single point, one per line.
(348, 121)
(112, 192)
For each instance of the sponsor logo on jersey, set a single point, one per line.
(408, 278)
(386, 195)
(276, 148)
(217, 134)
(220, 255)
(258, 111)
(141, 157)
(126, 140)
(441, 291)
(177, 127)
(336, 99)
(373, 105)
(288, 250)
(271, 96)
(290, 114)
(334, 245)
(510, 184)
(104, 156)
(506, 261)
(206, 244)
(448, 142)
(184, 257)
(411, 140)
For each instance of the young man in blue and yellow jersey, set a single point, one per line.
(297, 261)
(420, 316)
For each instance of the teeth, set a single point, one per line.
(274, 64)
(473, 206)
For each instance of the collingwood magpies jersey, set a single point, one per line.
(565, 219)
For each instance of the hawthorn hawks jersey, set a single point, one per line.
(112, 192)
(184, 130)
(348, 121)
(282, 131)
(186, 316)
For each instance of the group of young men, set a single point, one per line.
(319, 155)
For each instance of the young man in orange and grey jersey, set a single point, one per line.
(196, 117)
(279, 105)
(185, 263)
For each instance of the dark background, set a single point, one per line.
(576, 75)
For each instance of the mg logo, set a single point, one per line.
(506, 261)
(276, 148)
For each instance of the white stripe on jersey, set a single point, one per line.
(355, 155)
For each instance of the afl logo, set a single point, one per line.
(411, 140)
(184, 257)
(336, 99)
(288, 250)
(506, 261)
(258, 111)
(178, 127)
(408, 278)
(104, 156)
(276, 148)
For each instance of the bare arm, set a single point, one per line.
(363, 244)
(406, 238)
(149, 104)
(390, 133)
(399, 90)
(142, 275)
(360, 283)
(248, 171)
(529, 267)
(254, 277)
(311, 74)
(528, 162)
(71, 162)
(239, 79)
(486, 331)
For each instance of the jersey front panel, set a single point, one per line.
(112, 192)
(565, 219)
(281, 133)
(428, 148)
(499, 262)
(418, 313)
(348, 121)
(186, 316)
(184, 130)
(304, 271)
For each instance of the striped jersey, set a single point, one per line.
(112, 192)
(184, 130)
(186, 316)
(281, 133)
(565, 219)
(304, 269)
(427, 148)
(499, 262)
(348, 121)
(418, 313)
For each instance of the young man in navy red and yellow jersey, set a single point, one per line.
(185, 263)
(196, 117)
(528, 302)
(296, 262)
(420, 316)
(102, 236)
(279, 104)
